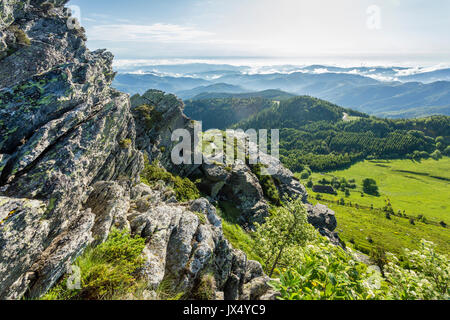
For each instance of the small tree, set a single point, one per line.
(370, 187)
(285, 229)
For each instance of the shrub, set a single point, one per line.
(205, 289)
(426, 275)
(125, 143)
(149, 115)
(370, 187)
(379, 257)
(108, 271)
(447, 151)
(284, 232)
(304, 175)
(268, 185)
(21, 36)
(47, 6)
(436, 155)
(184, 188)
(327, 272)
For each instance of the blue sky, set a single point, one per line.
(282, 28)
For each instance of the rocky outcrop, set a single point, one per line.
(60, 132)
(69, 167)
(324, 220)
(184, 241)
(236, 183)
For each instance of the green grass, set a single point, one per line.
(107, 272)
(359, 225)
(411, 187)
(238, 237)
(419, 188)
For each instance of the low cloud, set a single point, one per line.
(159, 32)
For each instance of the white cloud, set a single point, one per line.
(159, 32)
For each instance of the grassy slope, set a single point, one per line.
(415, 191)
(239, 238)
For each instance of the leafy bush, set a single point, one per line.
(125, 143)
(21, 36)
(283, 233)
(370, 187)
(184, 188)
(149, 115)
(327, 272)
(268, 185)
(436, 155)
(426, 275)
(108, 271)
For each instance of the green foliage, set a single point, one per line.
(314, 134)
(326, 272)
(21, 36)
(436, 155)
(149, 115)
(167, 290)
(184, 188)
(205, 289)
(108, 271)
(425, 275)
(125, 143)
(370, 187)
(268, 184)
(221, 113)
(286, 230)
(447, 151)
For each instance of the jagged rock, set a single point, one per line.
(324, 220)
(185, 241)
(165, 112)
(110, 202)
(235, 183)
(256, 288)
(60, 133)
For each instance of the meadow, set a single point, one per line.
(418, 192)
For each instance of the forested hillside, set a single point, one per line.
(324, 136)
(221, 113)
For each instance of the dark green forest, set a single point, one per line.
(315, 133)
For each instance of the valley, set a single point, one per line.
(418, 193)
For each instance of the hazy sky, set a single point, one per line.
(281, 28)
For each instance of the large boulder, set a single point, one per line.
(324, 220)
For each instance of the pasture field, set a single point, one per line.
(413, 188)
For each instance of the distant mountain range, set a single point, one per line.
(383, 91)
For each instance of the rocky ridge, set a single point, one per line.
(236, 183)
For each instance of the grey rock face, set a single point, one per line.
(185, 242)
(60, 133)
(324, 219)
(154, 134)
